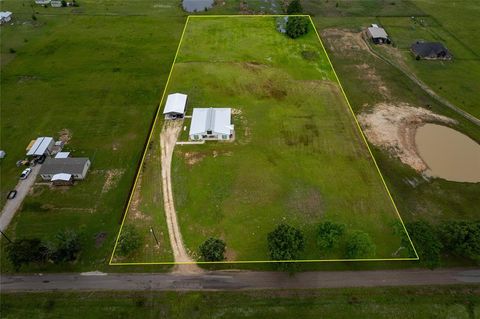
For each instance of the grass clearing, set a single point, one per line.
(297, 158)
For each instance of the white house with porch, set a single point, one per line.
(211, 124)
(175, 106)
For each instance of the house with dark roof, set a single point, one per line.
(77, 167)
(430, 51)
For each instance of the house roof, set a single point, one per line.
(5, 14)
(377, 32)
(425, 49)
(69, 165)
(175, 103)
(40, 146)
(61, 177)
(217, 120)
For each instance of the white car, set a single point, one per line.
(25, 173)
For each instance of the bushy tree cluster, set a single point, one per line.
(427, 243)
(297, 26)
(129, 241)
(294, 7)
(213, 249)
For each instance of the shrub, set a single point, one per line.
(426, 242)
(213, 249)
(129, 240)
(285, 243)
(297, 26)
(462, 238)
(294, 7)
(25, 251)
(328, 234)
(359, 245)
(66, 246)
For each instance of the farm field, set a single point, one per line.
(297, 158)
(403, 302)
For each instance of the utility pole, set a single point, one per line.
(154, 236)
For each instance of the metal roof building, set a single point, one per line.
(378, 34)
(175, 106)
(211, 123)
(42, 145)
(76, 166)
(430, 50)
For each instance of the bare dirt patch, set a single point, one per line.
(112, 177)
(134, 209)
(100, 238)
(393, 127)
(345, 41)
(65, 135)
(192, 158)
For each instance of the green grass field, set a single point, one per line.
(407, 302)
(298, 156)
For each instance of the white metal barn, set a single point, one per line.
(42, 145)
(175, 106)
(5, 16)
(211, 124)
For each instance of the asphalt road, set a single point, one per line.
(12, 205)
(236, 280)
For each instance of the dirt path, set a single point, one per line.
(168, 138)
(12, 205)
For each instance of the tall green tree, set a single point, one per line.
(328, 234)
(359, 245)
(66, 246)
(294, 7)
(426, 241)
(213, 249)
(25, 251)
(461, 238)
(297, 26)
(285, 243)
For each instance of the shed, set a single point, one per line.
(42, 2)
(378, 34)
(56, 3)
(62, 155)
(76, 166)
(175, 106)
(430, 51)
(211, 124)
(2, 154)
(62, 179)
(5, 16)
(41, 146)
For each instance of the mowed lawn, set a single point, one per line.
(99, 77)
(298, 157)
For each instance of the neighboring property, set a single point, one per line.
(175, 106)
(42, 2)
(378, 34)
(5, 16)
(211, 124)
(75, 166)
(430, 51)
(56, 3)
(40, 146)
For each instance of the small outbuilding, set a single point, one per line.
(2, 154)
(211, 124)
(378, 34)
(430, 51)
(62, 155)
(56, 3)
(5, 16)
(42, 2)
(175, 106)
(41, 146)
(75, 166)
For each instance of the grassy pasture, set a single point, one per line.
(100, 77)
(402, 302)
(298, 156)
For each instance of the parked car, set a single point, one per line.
(41, 159)
(25, 173)
(12, 194)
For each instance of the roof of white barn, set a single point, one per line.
(217, 120)
(175, 103)
(377, 32)
(40, 146)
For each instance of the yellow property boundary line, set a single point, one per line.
(111, 263)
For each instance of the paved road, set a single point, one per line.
(12, 205)
(237, 280)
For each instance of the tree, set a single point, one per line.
(66, 246)
(297, 26)
(129, 240)
(359, 245)
(462, 238)
(427, 243)
(285, 243)
(328, 233)
(25, 251)
(213, 249)
(294, 7)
